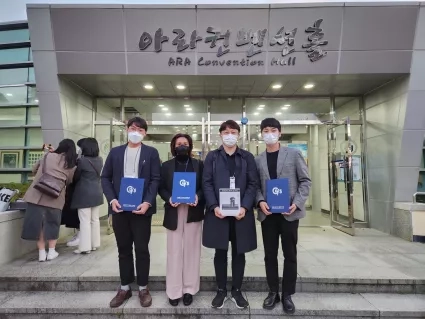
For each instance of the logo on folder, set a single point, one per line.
(276, 191)
(131, 190)
(184, 183)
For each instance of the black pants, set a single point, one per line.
(272, 227)
(238, 262)
(130, 228)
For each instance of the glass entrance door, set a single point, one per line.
(345, 175)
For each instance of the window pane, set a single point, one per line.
(10, 178)
(16, 76)
(11, 158)
(12, 137)
(32, 94)
(33, 116)
(14, 55)
(14, 36)
(35, 137)
(12, 117)
(33, 157)
(13, 95)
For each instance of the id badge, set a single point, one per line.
(232, 182)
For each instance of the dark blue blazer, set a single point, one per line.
(149, 169)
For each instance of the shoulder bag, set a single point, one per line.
(48, 184)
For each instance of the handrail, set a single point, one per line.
(417, 193)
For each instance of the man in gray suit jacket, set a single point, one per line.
(275, 163)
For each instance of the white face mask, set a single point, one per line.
(230, 139)
(135, 137)
(270, 138)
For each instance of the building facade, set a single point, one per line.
(20, 128)
(339, 76)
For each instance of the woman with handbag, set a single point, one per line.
(88, 195)
(46, 196)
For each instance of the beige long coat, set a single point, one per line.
(55, 167)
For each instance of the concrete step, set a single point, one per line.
(70, 305)
(254, 284)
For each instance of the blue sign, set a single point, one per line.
(244, 121)
(278, 197)
(184, 188)
(131, 193)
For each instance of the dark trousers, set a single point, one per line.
(238, 262)
(130, 228)
(272, 227)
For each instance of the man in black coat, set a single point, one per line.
(230, 167)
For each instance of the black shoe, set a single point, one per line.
(288, 305)
(220, 299)
(174, 302)
(239, 300)
(272, 299)
(187, 299)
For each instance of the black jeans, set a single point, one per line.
(130, 228)
(238, 262)
(272, 227)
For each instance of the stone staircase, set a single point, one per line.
(390, 284)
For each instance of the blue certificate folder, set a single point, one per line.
(278, 197)
(184, 188)
(131, 193)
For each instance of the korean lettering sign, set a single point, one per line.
(254, 40)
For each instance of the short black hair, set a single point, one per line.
(229, 124)
(174, 140)
(139, 122)
(90, 147)
(80, 142)
(270, 122)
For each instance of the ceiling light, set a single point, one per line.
(148, 86)
(309, 86)
(284, 108)
(161, 105)
(287, 105)
(195, 131)
(189, 109)
(186, 105)
(190, 114)
(165, 108)
(9, 94)
(276, 86)
(36, 101)
(261, 106)
(278, 113)
(176, 127)
(180, 87)
(256, 113)
(168, 114)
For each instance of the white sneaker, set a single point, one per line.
(75, 241)
(42, 255)
(52, 255)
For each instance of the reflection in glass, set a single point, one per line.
(35, 137)
(12, 36)
(12, 116)
(16, 95)
(16, 76)
(33, 116)
(15, 55)
(13, 137)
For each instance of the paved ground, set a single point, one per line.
(323, 253)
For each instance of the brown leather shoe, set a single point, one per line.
(122, 295)
(145, 298)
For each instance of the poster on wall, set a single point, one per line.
(301, 147)
(357, 171)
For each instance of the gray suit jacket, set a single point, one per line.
(291, 165)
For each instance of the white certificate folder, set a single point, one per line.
(230, 201)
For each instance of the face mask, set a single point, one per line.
(270, 138)
(78, 151)
(182, 152)
(230, 139)
(135, 137)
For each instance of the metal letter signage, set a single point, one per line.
(253, 39)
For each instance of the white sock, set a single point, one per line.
(51, 250)
(142, 287)
(126, 287)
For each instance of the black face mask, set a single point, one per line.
(182, 152)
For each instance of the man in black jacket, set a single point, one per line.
(234, 168)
